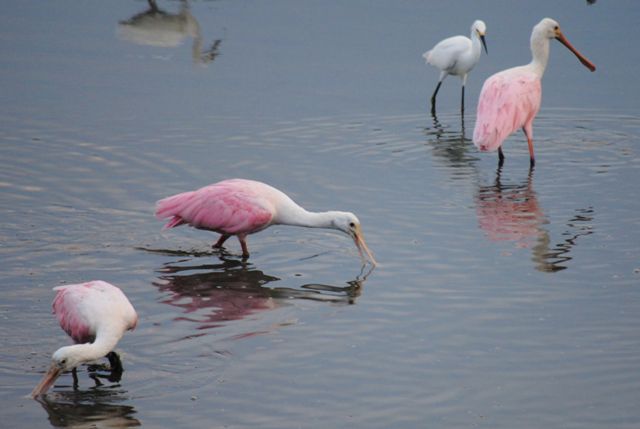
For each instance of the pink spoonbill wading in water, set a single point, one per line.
(95, 315)
(241, 207)
(510, 99)
(457, 56)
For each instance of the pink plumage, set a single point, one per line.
(95, 315)
(234, 206)
(511, 98)
(78, 308)
(241, 207)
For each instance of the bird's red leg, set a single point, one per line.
(528, 131)
(243, 243)
(221, 241)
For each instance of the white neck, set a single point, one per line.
(540, 53)
(103, 344)
(297, 216)
(476, 46)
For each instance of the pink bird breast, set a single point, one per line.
(234, 206)
(511, 215)
(78, 308)
(508, 100)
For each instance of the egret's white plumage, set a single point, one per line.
(457, 56)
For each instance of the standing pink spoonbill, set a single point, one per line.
(457, 55)
(95, 315)
(510, 99)
(241, 207)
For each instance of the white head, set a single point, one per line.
(480, 29)
(547, 28)
(67, 358)
(550, 29)
(349, 224)
(64, 359)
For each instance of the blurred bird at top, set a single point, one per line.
(457, 56)
(155, 27)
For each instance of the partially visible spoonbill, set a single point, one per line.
(510, 99)
(241, 207)
(95, 315)
(457, 55)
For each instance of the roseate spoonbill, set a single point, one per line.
(510, 99)
(241, 207)
(95, 315)
(457, 55)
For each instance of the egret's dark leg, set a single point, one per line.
(500, 157)
(433, 98)
(464, 83)
(221, 241)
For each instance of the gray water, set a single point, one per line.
(504, 297)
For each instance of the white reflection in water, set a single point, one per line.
(155, 27)
(511, 212)
(450, 145)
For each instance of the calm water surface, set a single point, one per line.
(504, 297)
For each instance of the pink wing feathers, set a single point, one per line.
(230, 207)
(66, 303)
(508, 101)
(77, 308)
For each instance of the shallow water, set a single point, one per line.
(504, 297)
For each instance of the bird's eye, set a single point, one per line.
(63, 361)
(352, 225)
(556, 28)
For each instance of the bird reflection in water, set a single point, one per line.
(89, 409)
(451, 146)
(511, 212)
(213, 295)
(155, 27)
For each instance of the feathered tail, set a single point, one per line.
(171, 207)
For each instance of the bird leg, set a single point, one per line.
(500, 157)
(221, 240)
(464, 83)
(528, 132)
(115, 362)
(74, 374)
(433, 98)
(115, 375)
(96, 379)
(243, 243)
